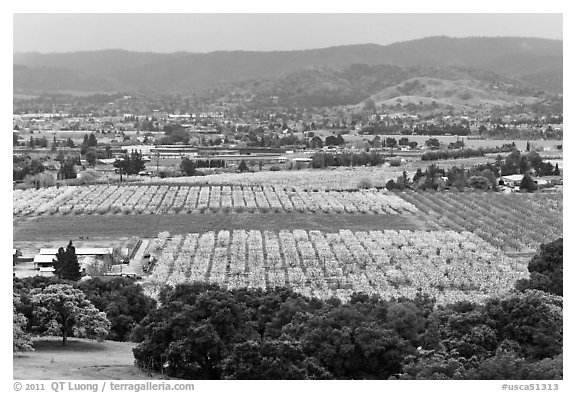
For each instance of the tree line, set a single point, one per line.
(464, 153)
(480, 176)
(323, 160)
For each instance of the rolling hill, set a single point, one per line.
(448, 92)
(536, 63)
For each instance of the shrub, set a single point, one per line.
(364, 183)
(40, 180)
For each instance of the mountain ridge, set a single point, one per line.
(537, 62)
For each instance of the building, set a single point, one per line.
(511, 180)
(43, 261)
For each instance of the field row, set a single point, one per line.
(150, 199)
(511, 222)
(448, 265)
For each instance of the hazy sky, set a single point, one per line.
(209, 32)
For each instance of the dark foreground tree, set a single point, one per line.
(546, 269)
(271, 359)
(64, 311)
(516, 337)
(21, 340)
(123, 301)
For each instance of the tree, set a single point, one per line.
(21, 341)
(136, 163)
(69, 143)
(123, 301)
(242, 167)
(192, 331)
(188, 166)
(62, 310)
(271, 359)
(546, 269)
(432, 143)
(508, 365)
(332, 140)
(489, 175)
(418, 175)
(556, 170)
(528, 184)
(479, 182)
(67, 169)
(391, 142)
(459, 144)
(54, 146)
(66, 265)
(523, 164)
(92, 141)
(532, 319)
(91, 157)
(316, 143)
(318, 160)
(130, 164)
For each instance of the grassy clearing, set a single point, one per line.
(79, 359)
(47, 228)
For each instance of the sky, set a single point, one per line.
(154, 32)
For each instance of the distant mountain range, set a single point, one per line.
(329, 76)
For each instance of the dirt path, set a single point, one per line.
(149, 225)
(135, 265)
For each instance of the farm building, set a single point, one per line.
(515, 180)
(46, 271)
(511, 180)
(43, 260)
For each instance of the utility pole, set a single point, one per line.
(157, 161)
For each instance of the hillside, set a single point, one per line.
(321, 86)
(450, 92)
(535, 62)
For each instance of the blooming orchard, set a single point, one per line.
(448, 265)
(513, 223)
(163, 199)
